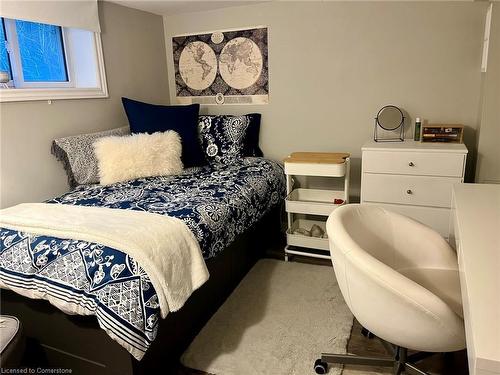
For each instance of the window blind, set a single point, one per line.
(79, 14)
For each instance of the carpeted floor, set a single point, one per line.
(277, 321)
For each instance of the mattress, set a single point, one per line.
(216, 202)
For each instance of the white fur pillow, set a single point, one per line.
(138, 155)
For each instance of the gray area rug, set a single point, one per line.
(277, 321)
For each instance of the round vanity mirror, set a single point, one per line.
(391, 119)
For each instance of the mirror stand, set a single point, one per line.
(398, 138)
(391, 120)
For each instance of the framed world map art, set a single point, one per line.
(222, 67)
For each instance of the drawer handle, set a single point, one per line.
(411, 164)
(409, 191)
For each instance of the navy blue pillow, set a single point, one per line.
(183, 119)
(251, 146)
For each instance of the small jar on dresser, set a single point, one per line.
(413, 178)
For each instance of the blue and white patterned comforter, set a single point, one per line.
(217, 203)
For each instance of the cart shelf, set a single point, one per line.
(305, 241)
(313, 201)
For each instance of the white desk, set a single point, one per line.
(475, 230)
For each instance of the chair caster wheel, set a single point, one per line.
(320, 367)
(367, 333)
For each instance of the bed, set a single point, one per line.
(233, 212)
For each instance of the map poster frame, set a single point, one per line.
(218, 67)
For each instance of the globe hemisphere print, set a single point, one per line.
(198, 65)
(240, 63)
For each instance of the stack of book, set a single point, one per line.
(442, 133)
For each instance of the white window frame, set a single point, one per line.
(16, 64)
(19, 90)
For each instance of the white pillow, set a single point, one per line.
(138, 155)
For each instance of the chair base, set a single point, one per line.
(400, 361)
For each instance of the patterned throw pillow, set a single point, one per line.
(78, 157)
(226, 138)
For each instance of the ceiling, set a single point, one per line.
(169, 7)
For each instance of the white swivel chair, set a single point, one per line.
(400, 280)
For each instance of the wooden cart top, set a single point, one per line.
(317, 157)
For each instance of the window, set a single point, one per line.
(50, 62)
(4, 56)
(41, 50)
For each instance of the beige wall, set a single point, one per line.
(333, 65)
(134, 53)
(488, 156)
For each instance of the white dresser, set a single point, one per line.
(413, 178)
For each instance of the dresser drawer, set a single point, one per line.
(413, 190)
(414, 163)
(436, 218)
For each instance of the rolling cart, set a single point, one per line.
(302, 203)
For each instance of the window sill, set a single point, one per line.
(22, 95)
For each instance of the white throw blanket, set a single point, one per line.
(163, 246)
